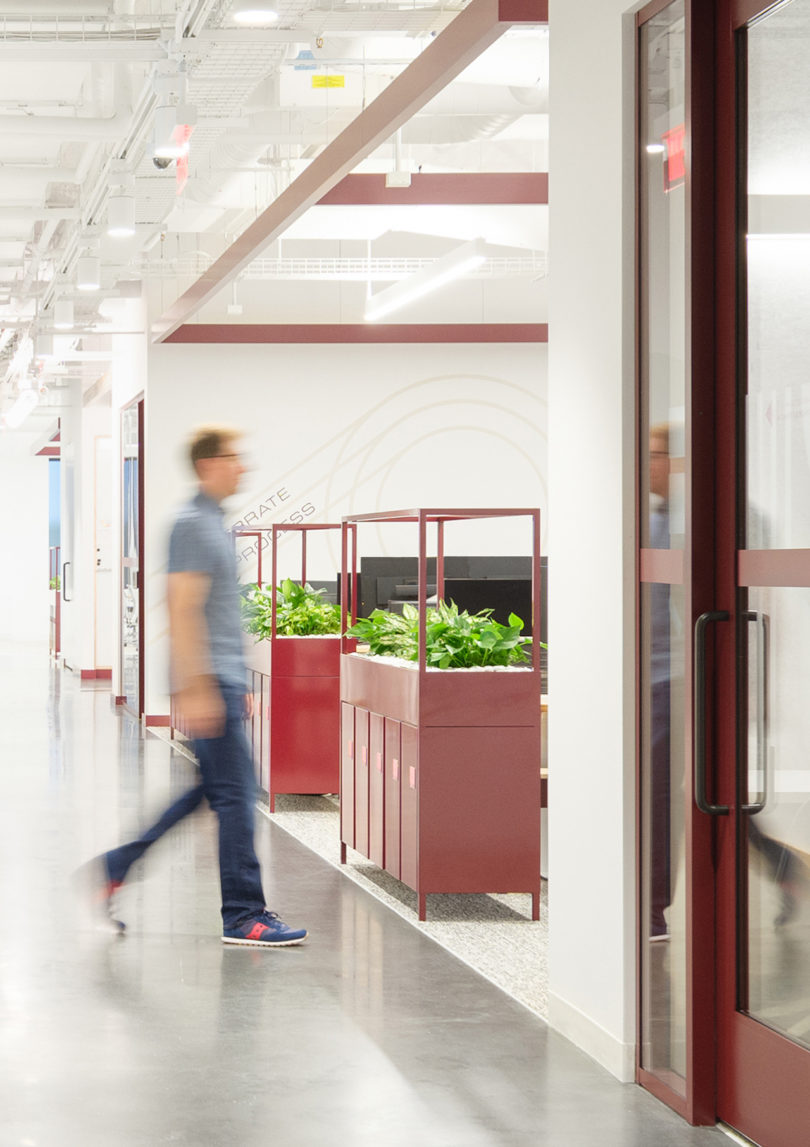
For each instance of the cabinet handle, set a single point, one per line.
(412, 776)
(379, 762)
(363, 752)
(351, 750)
(395, 768)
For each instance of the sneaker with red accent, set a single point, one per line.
(265, 930)
(98, 891)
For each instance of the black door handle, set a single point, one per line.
(701, 800)
(761, 620)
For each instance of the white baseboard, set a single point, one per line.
(619, 1058)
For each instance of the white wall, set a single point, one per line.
(591, 459)
(339, 428)
(128, 377)
(24, 530)
(83, 427)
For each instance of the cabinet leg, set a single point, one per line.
(342, 852)
(422, 896)
(536, 905)
(272, 801)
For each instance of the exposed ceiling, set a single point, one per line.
(82, 85)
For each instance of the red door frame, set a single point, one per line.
(737, 1070)
(763, 1078)
(691, 568)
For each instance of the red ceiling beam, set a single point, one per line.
(310, 333)
(475, 188)
(480, 24)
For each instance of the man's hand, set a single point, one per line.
(201, 709)
(248, 703)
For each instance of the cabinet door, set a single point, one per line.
(376, 790)
(393, 774)
(361, 780)
(347, 748)
(409, 840)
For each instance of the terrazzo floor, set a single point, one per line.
(494, 934)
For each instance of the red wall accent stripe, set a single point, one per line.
(435, 188)
(309, 333)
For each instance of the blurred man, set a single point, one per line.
(208, 681)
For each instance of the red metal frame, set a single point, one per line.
(469, 34)
(737, 1069)
(690, 568)
(455, 729)
(329, 333)
(762, 1076)
(479, 187)
(296, 733)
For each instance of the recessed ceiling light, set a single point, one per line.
(253, 13)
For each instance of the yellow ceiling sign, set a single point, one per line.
(329, 81)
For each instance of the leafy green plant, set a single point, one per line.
(55, 582)
(455, 639)
(300, 611)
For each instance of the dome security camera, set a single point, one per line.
(161, 162)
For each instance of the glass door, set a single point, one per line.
(763, 748)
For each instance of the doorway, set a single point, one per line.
(132, 487)
(724, 563)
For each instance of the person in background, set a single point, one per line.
(208, 681)
(661, 667)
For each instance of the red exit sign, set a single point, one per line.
(675, 159)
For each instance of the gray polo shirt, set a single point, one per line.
(199, 543)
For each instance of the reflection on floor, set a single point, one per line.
(494, 934)
(369, 1034)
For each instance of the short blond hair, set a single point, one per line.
(209, 441)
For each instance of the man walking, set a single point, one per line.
(208, 681)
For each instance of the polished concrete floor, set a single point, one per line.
(368, 1034)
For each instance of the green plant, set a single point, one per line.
(55, 582)
(454, 639)
(300, 611)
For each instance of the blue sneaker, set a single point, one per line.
(265, 930)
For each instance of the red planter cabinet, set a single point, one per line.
(296, 724)
(440, 784)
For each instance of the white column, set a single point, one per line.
(591, 462)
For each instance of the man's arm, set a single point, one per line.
(197, 694)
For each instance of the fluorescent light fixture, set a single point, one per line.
(451, 266)
(63, 314)
(88, 273)
(121, 216)
(26, 401)
(249, 12)
(655, 149)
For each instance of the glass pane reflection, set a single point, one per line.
(662, 246)
(662, 234)
(778, 844)
(663, 887)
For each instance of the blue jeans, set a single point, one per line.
(229, 784)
